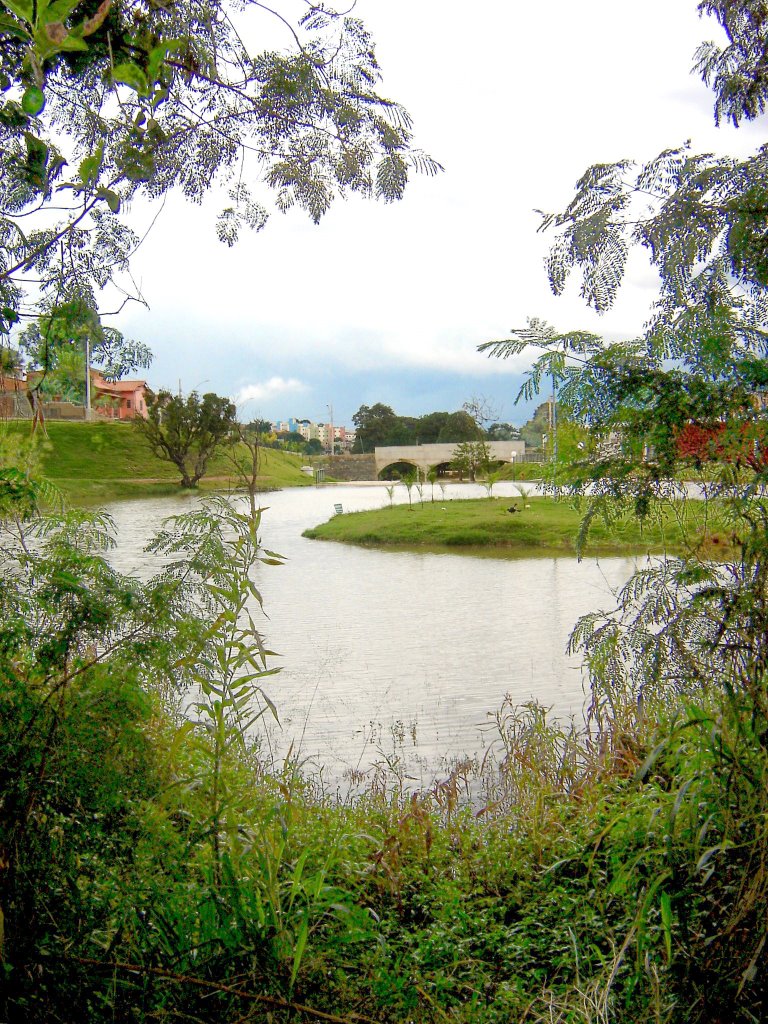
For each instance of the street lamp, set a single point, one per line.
(330, 414)
(554, 419)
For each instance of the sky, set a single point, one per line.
(388, 302)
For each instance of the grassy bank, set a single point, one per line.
(99, 462)
(539, 526)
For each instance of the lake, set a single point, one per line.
(399, 655)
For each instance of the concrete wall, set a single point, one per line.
(350, 467)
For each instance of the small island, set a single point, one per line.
(522, 527)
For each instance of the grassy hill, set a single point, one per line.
(102, 461)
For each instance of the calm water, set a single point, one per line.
(400, 653)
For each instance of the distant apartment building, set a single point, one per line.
(343, 439)
(289, 426)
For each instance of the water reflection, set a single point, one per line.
(400, 653)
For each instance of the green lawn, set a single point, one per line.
(97, 462)
(541, 526)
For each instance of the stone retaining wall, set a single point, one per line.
(350, 467)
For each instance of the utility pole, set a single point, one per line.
(330, 413)
(554, 419)
(87, 378)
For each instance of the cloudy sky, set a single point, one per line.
(387, 303)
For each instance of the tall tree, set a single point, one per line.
(11, 361)
(187, 431)
(481, 409)
(428, 427)
(471, 458)
(108, 102)
(459, 426)
(503, 432)
(56, 345)
(380, 426)
(373, 425)
(259, 426)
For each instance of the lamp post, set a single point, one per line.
(87, 378)
(206, 380)
(554, 420)
(330, 414)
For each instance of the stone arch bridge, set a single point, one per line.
(427, 456)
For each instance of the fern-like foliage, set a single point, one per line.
(687, 396)
(738, 71)
(701, 220)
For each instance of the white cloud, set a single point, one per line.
(273, 388)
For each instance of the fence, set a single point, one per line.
(14, 405)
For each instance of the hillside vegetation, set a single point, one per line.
(103, 461)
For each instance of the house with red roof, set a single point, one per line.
(110, 399)
(119, 399)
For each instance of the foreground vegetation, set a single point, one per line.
(536, 526)
(154, 866)
(93, 463)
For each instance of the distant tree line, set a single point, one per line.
(380, 426)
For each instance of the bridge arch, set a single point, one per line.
(384, 473)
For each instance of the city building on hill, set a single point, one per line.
(343, 438)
